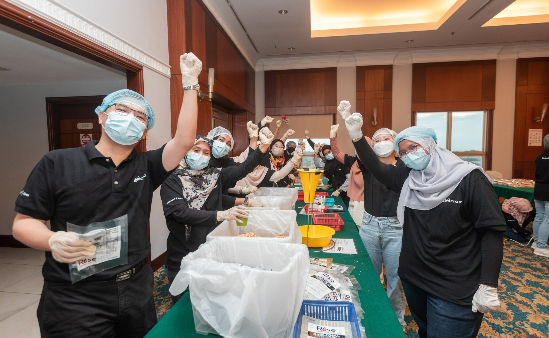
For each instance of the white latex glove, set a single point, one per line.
(265, 136)
(336, 193)
(266, 120)
(288, 133)
(344, 109)
(307, 133)
(297, 156)
(333, 130)
(301, 145)
(254, 203)
(190, 68)
(248, 190)
(232, 214)
(252, 129)
(354, 125)
(485, 299)
(278, 123)
(66, 247)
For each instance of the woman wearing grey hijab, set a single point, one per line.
(452, 230)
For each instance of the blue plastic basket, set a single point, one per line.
(329, 202)
(328, 310)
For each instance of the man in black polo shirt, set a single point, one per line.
(87, 188)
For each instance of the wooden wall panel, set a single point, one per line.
(374, 93)
(192, 28)
(531, 93)
(301, 91)
(454, 86)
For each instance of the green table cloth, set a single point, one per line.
(379, 318)
(508, 192)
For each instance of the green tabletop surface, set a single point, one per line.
(508, 192)
(379, 318)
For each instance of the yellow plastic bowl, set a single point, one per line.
(319, 235)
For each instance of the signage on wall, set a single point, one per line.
(84, 125)
(85, 138)
(535, 137)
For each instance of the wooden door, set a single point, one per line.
(532, 93)
(72, 121)
(373, 97)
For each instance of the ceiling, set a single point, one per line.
(459, 23)
(30, 60)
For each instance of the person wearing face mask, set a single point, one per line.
(101, 183)
(193, 199)
(276, 170)
(290, 148)
(336, 173)
(453, 227)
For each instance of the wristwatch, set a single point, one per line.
(245, 201)
(192, 87)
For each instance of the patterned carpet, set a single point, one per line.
(523, 291)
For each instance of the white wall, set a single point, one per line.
(24, 133)
(142, 27)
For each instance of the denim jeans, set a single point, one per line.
(437, 317)
(382, 237)
(541, 223)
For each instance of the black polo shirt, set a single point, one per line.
(81, 186)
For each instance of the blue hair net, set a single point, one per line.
(128, 96)
(546, 141)
(414, 132)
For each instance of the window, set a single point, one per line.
(462, 132)
(308, 154)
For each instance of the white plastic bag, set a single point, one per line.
(242, 288)
(271, 191)
(266, 224)
(281, 198)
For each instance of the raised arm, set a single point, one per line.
(287, 169)
(339, 156)
(185, 133)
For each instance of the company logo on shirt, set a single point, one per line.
(545, 158)
(452, 201)
(24, 193)
(139, 178)
(174, 199)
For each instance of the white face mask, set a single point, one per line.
(277, 151)
(383, 148)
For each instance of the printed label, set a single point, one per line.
(107, 246)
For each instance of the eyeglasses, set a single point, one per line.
(122, 108)
(411, 148)
(383, 138)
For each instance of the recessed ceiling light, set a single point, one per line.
(283, 11)
(291, 49)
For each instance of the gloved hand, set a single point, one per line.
(344, 109)
(253, 203)
(485, 299)
(190, 67)
(66, 247)
(354, 125)
(288, 133)
(306, 133)
(317, 148)
(333, 130)
(297, 156)
(278, 123)
(265, 136)
(336, 193)
(232, 214)
(253, 129)
(266, 120)
(302, 145)
(248, 190)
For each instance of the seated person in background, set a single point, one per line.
(193, 200)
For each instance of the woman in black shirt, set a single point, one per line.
(541, 199)
(452, 230)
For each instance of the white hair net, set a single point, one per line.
(214, 133)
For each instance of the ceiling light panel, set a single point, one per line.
(357, 17)
(522, 12)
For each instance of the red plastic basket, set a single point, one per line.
(331, 220)
(316, 209)
(301, 196)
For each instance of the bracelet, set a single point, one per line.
(192, 87)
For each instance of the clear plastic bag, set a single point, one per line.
(264, 224)
(111, 241)
(281, 198)
(243, 288)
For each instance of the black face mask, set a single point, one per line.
(290, 150)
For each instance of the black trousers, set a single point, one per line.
(98, 308)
